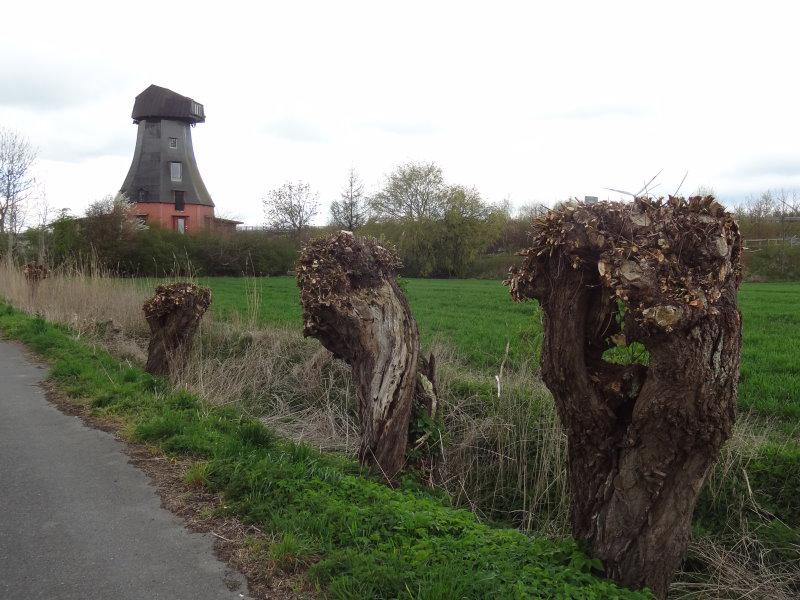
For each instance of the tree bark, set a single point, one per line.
(354, 307)
(641, 439)
(173, 314)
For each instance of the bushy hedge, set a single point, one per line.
(156, 252)
(779, 262)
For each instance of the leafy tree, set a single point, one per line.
(110, 222)
(412, 192)
(350, 211)
(291, 207)
(467, 228)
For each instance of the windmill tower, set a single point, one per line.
(163, 181)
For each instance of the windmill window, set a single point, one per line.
(142, 195)
(173, 142)
(175, 171)
(180, 204)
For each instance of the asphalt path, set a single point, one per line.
(77, 521)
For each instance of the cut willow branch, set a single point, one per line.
(173, 314)
(354, 307)
(641, 438)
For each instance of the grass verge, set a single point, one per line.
(357, 538)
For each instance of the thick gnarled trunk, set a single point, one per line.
(353, 306)
(384, 369)
(641, 438)
(173, 314)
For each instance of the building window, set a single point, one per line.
(180, 224)
(175, 171)
(141, 220)
(141, 195)
(173, 142)
(180, 204)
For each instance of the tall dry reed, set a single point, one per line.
(79, 298)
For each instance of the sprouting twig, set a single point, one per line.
(620, 192)
(681, 183)
(647, 185)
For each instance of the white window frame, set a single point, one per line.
(173, 142)
(180, 224)
(176, 174)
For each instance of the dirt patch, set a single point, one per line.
(239, 545)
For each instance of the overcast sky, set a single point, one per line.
(530, 101)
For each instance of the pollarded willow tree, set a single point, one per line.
(173, 314)
(354, 307)
(641, 439)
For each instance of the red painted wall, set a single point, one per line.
(164, 214)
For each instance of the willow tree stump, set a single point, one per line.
(173, 314)
(354, 307)
(641, 438)
(34, 274)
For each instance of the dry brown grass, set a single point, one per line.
(736, 570)
(79, 298)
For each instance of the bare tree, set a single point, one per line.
(350, 212)
(532, 210)
(412, 192)
(760, 211)
(291, 207)
(17, 157)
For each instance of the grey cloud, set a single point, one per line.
(599, 111)
(295, 130)
(776, 167)
(26, 82)
(404, 127)
(72, 150)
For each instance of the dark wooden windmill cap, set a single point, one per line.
(160, 103)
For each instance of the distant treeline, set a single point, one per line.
(438, 229)
(770, 226)
(456, 245)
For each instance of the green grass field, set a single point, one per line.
(478, 319)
